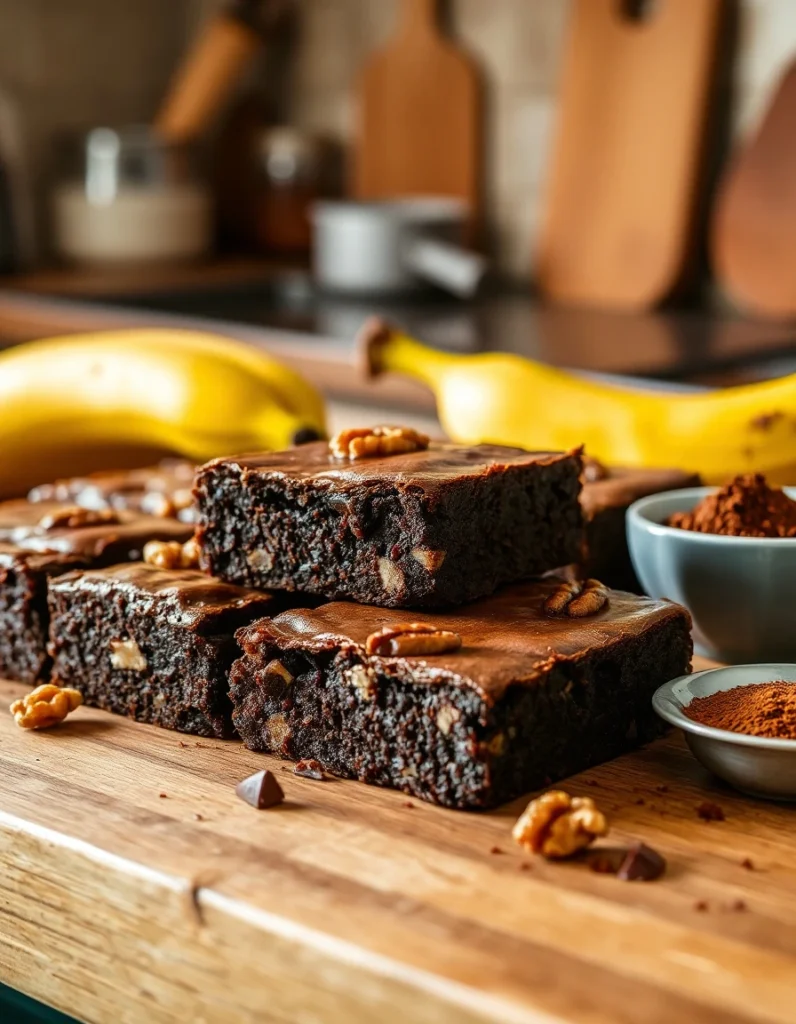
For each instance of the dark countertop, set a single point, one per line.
(281, 311)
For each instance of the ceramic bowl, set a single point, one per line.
(754, 764)
(741, 591)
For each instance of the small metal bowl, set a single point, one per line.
(756, 765)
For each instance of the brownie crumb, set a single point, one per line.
(409, 804)
(198, 817)
(748, 863)
(592, 782)
(640, 802)
(181, 744)
(309, 768)
(163, 796)
(709, 811)
(526, 866)
(496, 849)
(701, 906)
(738, 905)
(663, 788)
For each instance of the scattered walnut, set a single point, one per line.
(170, 554)
(45, 706)
(276, 668)
(73, 517)
(577, 600)
(557, 825)
(156, 503)
(370, 442)
(414, 638)
(128, 655)
(392, 577)
(430, 559)
(446, 717)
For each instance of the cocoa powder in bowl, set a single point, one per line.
(759, 709)
(747, 507)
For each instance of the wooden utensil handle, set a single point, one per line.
(418, 16)
(205, 80)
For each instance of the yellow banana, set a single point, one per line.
(506, 399)
(68, 405)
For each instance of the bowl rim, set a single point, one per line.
(671, 709)
(638, 515)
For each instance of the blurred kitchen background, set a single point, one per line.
(591, 153)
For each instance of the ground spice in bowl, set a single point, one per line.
(759, 709)
(747, 507)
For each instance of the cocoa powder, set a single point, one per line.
(760, 709)
(747, 507)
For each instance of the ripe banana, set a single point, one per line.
(506, 399)
(69, 405)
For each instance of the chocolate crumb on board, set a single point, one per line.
(309, 768)
(739, 905)
(701, 906)
(409, 804)
(198, 817)
(496, 849)
(163, 795)
(708, 811)
(526, 866)
(260, 790)
(748, 863)
(641, 864)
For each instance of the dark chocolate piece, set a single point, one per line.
(606, 496)
(33, 550)
(641, 864)
(260, 790)
(525, 701)
(153, 644)
(162, 490)
(708, 811)
(430, 528)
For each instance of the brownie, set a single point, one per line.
(153, 644)
(526, 700)
(429, 528)
(605, 498)
(36, 544)
(162, 490)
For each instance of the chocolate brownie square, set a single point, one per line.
(41, 541)
(430, 528)
(606, 496)
(153, 644)
(527, 699)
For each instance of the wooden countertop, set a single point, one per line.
(135, 886)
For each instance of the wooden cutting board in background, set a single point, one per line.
(753, 235)
(419, 118)
(624, 178)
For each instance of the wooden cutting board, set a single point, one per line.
(136, 886)
(419, 118)
(753, 237)
(627, 159)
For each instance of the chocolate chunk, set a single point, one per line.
(309, 768)
(702, 906)
(748, 864)
(709, 811)
(261, 790)
(641, 864)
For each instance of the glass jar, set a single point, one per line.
(293, 174)
(133, 198)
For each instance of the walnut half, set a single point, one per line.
(45, 706)
(412, 639)
(557, 825)
(370, 442)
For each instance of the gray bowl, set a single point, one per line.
(754, 764)
(741, 591)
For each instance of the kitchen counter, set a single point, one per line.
(135, 886)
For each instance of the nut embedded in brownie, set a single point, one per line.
(430, 527)
(526, 699)
(41, 541)
(153, 644)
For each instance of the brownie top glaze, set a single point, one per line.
(506, 639)
(426, 469)
(119, 536)
(182, 597)
(135, 489)
(605, 487)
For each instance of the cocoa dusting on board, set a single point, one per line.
(759, 709)
(747, 507)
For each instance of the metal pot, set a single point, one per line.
(393, 247)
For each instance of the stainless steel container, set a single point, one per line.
(393, 247)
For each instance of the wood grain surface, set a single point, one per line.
(629, 151)
(135, 886)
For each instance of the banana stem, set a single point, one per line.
(398, 353)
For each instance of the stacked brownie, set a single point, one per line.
(381, 604)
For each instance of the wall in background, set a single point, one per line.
(70, 64)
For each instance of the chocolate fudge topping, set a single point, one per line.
(423, 469)
(119, 538)
(506, 638)
(186, 598)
